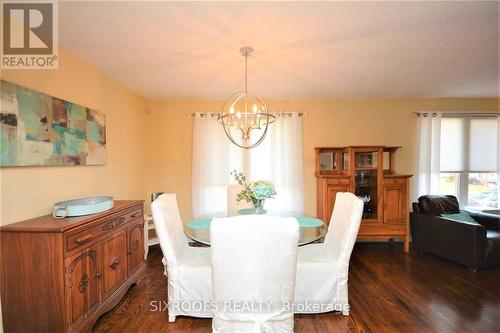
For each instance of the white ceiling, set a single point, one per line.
(165, 50)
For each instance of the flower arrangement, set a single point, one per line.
(255, 192)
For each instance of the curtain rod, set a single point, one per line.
(279, 114)
(459, 114)
(471, 114)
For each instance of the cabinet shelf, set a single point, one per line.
(366, 182)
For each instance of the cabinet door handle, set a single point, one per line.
(84, 239)
(114, 263)
(135, 215)
(98, 274)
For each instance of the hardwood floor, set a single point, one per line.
(389, 291)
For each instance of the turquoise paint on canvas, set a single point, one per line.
(4, 142)
(60, 129)
(79, 134)
(71, 145)
(57, 148)
(77, 117)
(8, 148)
(34, 109)
(77, 112)
(93, 131)
(37, 129)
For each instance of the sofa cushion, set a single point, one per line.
(438, 204)
(462, 216)
(489, 221)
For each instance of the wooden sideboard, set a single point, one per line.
(368, 172)
(60, 275)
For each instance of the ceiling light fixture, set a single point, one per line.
(244, 116)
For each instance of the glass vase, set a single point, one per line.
(259, 206)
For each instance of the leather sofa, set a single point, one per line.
(475, 245)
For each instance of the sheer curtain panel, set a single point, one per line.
(279, 158)
(429, 146)
(214, 157)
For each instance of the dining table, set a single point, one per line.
(311, 228)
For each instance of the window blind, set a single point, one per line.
(469, 144)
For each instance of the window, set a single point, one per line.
(482, 190)
(279, 158)
(469, 160)
(449, 183)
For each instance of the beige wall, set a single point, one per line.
(152, 151)
(31, 191)
(326, 123)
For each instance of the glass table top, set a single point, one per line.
(311, 228)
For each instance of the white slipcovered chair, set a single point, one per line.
(253, 260)
(322, 269)
(232, 205)
(188, 270)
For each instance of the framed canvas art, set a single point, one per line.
(38, 129)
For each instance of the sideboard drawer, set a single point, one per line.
(78, 237)
(83, 237)
(74, 240)
(134, 214)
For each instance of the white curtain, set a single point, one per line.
(498, 162)
(214, 157)
(279, 158)
(428, 159)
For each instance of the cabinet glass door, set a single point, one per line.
(366, 181)
(366, 160)
(327, 161)
(345, 161)
(366, 189)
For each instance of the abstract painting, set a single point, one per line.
(38, 129)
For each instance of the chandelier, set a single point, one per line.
(245, 116)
